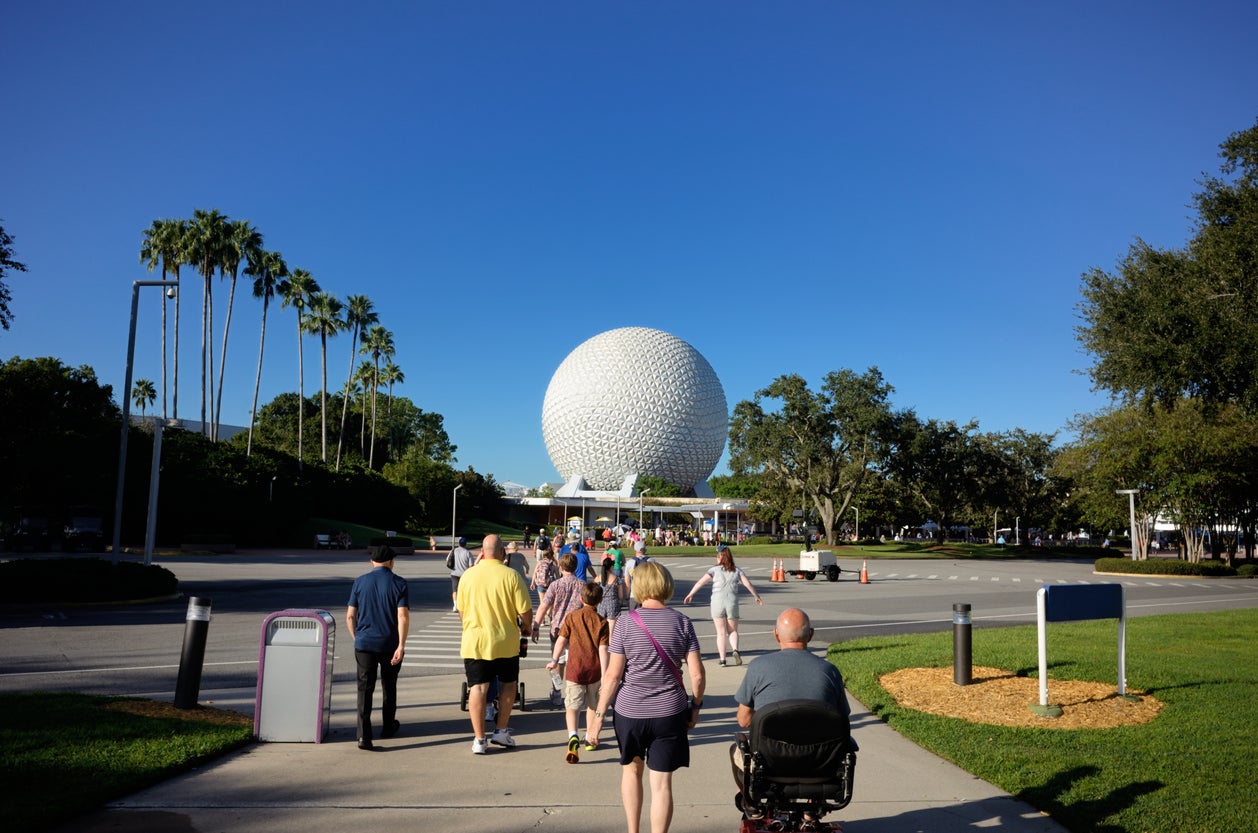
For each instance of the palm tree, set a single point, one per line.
(269, 271)
(163, 241)
(324, 319)
(205, 242)
(378, 342)
(365, 375)
(389, 375)
(143, 394)
(297, 292)
(243, 242)
(359, 313)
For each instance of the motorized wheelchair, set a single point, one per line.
(794, 765)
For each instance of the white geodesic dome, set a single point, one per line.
(635, 401)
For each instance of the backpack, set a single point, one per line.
(545, 571)
(450, 560)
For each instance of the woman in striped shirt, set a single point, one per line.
(653, 712)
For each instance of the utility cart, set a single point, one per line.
(813, 563)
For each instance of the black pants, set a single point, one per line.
(371, 663)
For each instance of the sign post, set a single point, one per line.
(1072, 603)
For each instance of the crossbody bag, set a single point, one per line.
(672, 666)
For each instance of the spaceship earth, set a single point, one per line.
(635, 401)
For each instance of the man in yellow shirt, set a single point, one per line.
(493, 601)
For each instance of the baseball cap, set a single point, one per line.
(462, 541)
(639, 546)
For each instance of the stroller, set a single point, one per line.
(794, 765)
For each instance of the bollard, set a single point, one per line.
(962, 671)
(196, 628)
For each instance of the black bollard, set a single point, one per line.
(196, 628)
(962, 672)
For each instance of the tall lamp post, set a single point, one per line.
(454, 517)
(1131, 506)
(641, 495)
(858, 523)
(126, 407)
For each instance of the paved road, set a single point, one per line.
(136, 650)
(426, 778)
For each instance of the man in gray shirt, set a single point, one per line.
(462, 558)
(792, 673)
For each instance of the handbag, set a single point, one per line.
(660, 650)
(450, 560)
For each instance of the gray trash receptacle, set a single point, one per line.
(294, 698)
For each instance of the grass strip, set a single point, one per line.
(1188, 771)
(62, 755)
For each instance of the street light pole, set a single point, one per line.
(858, 523)
(126, 410)
(454, 518)
(1131, 506)
(641, 495)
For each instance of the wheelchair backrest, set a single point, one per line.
(800, 738)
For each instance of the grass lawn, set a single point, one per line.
(62, 755)
(1191, 770)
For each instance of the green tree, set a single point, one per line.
(205, 242)
(143, 394)
(58, 435)
(297, 292)
(1171, 323)
(733, 485)
(242, 243)
(268, 271)
(360, 313)
(164, 243)
(817, 446)
(937, 466)
(7, 264)
(324, 319)
(365, 376)
(378, 343)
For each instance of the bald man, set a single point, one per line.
(791, 673)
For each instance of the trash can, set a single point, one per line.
(294, 699)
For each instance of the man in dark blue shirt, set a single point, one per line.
(378, 619)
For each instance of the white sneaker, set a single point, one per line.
(480, 746)
(502, 737)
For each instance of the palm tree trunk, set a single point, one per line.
(375, 387)
(174, 393)
(164, 300)
(257, 381)
(323, 400)
(388, 421)
(349, 381)
(205, 309)
(301, 390)
(222, 357)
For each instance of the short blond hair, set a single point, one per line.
(652, 581)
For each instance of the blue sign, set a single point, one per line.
(1073, 602)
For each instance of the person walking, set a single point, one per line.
(496, 610)
(584, 637)
(725, 578)
(516, 560)
(545, 571)
(562, 597)
(378, 618)
(459, 561)
(613, 594)
(653, 714)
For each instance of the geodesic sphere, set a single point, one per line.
(635, 401)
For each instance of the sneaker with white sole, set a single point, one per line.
(502, 737)
(480, 746)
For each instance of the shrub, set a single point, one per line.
(82, 580)
(1247, 570)
(1163, 567)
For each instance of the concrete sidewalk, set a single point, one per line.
(427, 778)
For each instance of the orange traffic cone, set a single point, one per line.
(865, 572)
(779, 573)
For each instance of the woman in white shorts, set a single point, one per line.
(725, 578)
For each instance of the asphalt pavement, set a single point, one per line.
(426, 778)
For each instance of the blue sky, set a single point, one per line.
(790, 187)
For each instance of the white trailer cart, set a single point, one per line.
(813, 563)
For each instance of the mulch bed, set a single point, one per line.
(1002, 698)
